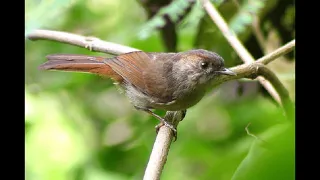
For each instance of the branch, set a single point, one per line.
(258, 68)
(252, 71)
(162, 143)
(161, 147)
(92, 43)
(282, 91)
(227, 32)
(236, 44)
(277, 53)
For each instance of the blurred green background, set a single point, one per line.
(78, 126)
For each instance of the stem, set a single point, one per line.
(92, 43)
(277, 53)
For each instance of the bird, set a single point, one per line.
(170, 81)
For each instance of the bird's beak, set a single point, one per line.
(226, 71)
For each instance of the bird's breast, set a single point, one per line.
(184, 100)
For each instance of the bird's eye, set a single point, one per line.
(204, 65)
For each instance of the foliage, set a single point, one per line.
(173, 11)
(78, 126)
(244, 17)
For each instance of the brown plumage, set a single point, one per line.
(167, 81)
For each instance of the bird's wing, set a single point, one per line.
(145, 71)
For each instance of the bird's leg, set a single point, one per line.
(174, 116)
(163, 122)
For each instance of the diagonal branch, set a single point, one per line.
(236, 44)
(279, 87)
(227, 32)
(277, 53)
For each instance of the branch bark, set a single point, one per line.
(164, 137)
(89, 42)
(254, 70)
(278, 52)
(161, 147)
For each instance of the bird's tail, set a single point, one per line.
(79, 63)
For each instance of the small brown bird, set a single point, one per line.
(151, 80)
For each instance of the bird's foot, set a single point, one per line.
(165, 123)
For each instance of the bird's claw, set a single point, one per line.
(173, 129)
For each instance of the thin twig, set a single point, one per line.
(279, 87)
(248, 132)
(236, 44)
(277, 53)
(91, 43)
(254, 136)
(227, 32)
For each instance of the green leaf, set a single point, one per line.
(244, 17)
(270, 157)
(173, 10)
